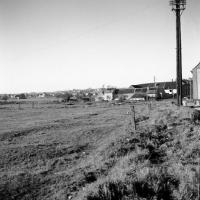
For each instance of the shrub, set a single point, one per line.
(195, 116)
(5, 97)
(22, 186)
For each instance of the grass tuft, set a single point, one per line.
(109, 191)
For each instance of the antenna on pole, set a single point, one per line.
(178, 6)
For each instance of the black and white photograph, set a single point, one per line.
(99, 99)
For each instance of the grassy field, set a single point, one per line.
(58, 152)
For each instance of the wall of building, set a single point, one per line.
(108, 96)
(196, 82)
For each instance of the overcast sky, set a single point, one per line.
(49, 45)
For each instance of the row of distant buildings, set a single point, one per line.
(159, 90)
(154, 90)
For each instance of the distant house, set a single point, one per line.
(20, 96)
(125, 93)
(136, 93)
(148, 92)
(142, 90)
(12, 96)
(196, 81)
(105, 94)
(73, 98)
(170, 88)
(41, 95)
(86, 99)
(138, 97)
(153, 93)
(145, 91)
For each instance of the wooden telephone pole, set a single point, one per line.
(178, 6)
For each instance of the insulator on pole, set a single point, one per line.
(180, 3)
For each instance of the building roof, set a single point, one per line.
(152, 91)
(139, 95)
(125, 91)
(170, 85)
(107, 90)
(196, 67)
(164, 85)
(141, 90)
(142, 85)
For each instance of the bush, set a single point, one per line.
(21, 96)
(19, 187)
(5, 97)
(65, 97)
(195, 117)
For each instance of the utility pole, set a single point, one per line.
(178, 6)
(191, 92)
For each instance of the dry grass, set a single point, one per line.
(91, 152)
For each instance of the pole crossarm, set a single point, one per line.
(178, 4)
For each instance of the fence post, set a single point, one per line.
(133, 117)
(198, 179)
(149, 107)
(19, 106)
